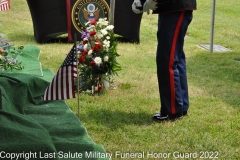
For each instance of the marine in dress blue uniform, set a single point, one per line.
(174, 17)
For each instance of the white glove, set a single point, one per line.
(135, 6)
(149, 5)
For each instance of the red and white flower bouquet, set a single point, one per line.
(97, 52)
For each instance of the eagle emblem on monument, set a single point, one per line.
(88, 10)
(91, 12)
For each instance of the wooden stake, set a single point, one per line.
(75, 44)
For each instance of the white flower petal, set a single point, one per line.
(110, 27)
(106, 58)
(85, 47)
(98, 60)
(104, 31)
(90, 52)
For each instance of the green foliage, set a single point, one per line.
(8, 58)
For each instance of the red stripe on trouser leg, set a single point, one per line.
(171, 63)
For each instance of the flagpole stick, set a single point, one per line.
(212, 26)
(112, 10)
(75, 44)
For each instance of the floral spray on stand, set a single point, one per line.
(97, 52)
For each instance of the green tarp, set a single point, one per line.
(30, 60)
(42, 129)
(31, 128)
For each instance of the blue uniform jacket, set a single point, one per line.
(165, 6)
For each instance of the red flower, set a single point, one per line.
(93, 22)
(97, 47)
(99, 87)
(84, 53)
(92, 33)
(81, 59)
(92, 63)
(85, 41)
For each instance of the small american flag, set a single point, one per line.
(62, 85)
(4, 5)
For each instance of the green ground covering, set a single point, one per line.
(47, 129)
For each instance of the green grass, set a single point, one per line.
(120, 119)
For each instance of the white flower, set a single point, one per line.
(91, 28)
(102, 22)
(110, 27)
(105, 58)
(85, 39)
(87, 23)
(98, 60)
(107, 37)
(104, 31)
(90, 52)
(99, 35)
(85, 47)
(106, 43)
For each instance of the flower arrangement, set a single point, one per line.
(97, 52)
(8, 58)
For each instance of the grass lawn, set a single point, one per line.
(120, 119)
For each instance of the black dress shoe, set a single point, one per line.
(158, 117)
(185, 113)
(174, 117)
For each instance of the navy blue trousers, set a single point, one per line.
(171, 63)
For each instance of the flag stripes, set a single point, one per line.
(62, 85)
(4, 5)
